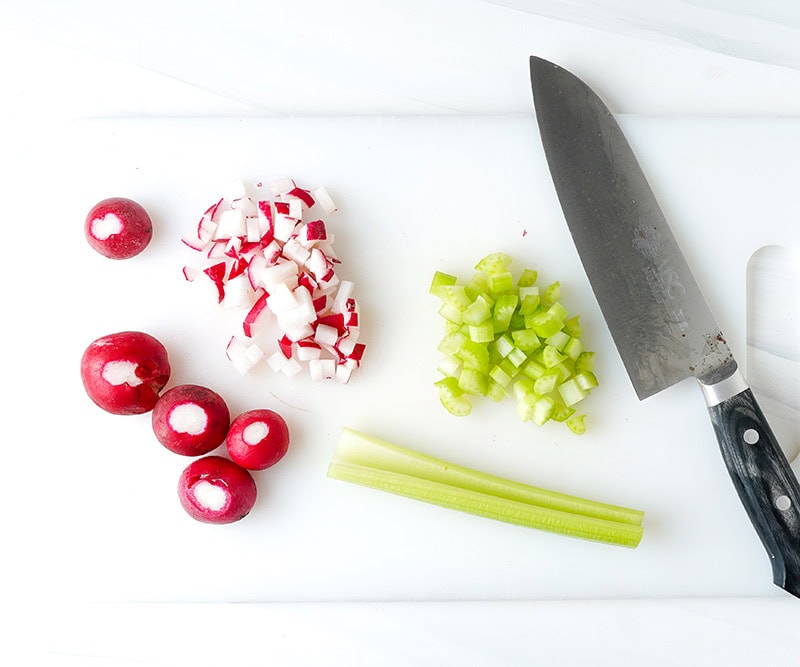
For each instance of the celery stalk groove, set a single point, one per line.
(376, 463)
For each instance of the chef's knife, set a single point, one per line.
(656, 314)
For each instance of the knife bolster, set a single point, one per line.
(721, 391)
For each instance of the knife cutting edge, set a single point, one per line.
(655, 311)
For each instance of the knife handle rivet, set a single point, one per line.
(750, 436)
(783, 503)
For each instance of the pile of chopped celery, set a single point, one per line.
(509, 338)
(371, 462)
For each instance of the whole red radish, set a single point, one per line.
(214, 489)
(118, 228)
(191, 420)
(258, 439)
(124, 372)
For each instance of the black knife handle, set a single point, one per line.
(764, 480)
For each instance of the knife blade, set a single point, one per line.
(655, 311)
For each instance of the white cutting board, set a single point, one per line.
(415, 195)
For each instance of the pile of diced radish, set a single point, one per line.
(272, 256)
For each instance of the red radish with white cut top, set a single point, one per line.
(214, 489)
(258, 439)
(118, 228)
(124, 372)
(191, 420)
(271, 255)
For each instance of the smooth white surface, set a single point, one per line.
(415, 195)
(385, 57)
(78, 59)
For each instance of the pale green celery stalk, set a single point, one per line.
(489, 506)
(356, 448)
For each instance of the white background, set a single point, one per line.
(65, 61)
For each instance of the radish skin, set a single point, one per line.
(191, 420)
(118, 228)
(216, 490)
(123, 373)
(257, 439)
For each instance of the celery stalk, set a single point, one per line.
(358, 449)
(491, 507)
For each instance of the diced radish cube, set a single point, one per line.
(326, 335)
(246, 205)
(282, 273)
(257, 317)
(324, 199)
(232, 247)
(253, 229)
(254, 269)
(322, 369)
(343, 293)
(238, 268)
(286, 346)
(299, 332)
(343, 373)
(283, 226)
(231, 223)
(295, 251)
(296, 209)
(238, 293)
(321, 303)
(243, 356)
(291, 368)
(282, 187)
(305, 304)
(347, 344)
(217, 274)
(307, 350)
(358, 352)
(315, 231)
(302, 195)
(281, 299)
(190, 273)
(193, 242)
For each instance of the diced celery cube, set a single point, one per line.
(482, 333)
(478, 311)
(546, 383)
(528, 278)
(452, 342)
(571, 393)
(573, 326)
(573, 348)
(584, 362)
(526, 340)
(501, 282)
(558, 340)
(551, 356)
(577, 424)
(586, 380)
(542, 410)
(472, 381)
(504, 345)
(517, 357)
(439, 280)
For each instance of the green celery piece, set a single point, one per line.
(482, 333)
(494, 264)
(474, 355)
(472, 381)
(452, 342)
(500, 282)
(573, 327)
(573, 348)
(558, 340)
(551, 356)
(526, 340)
(577, 424)
(478, 311)
(496, 391)
(452, 397)
(584, 362)
(544, 323)
(543, 410)
(552, 294)
(504, 309)
(439, 280)
(528, 278)
(374, 455)
(571, 392)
